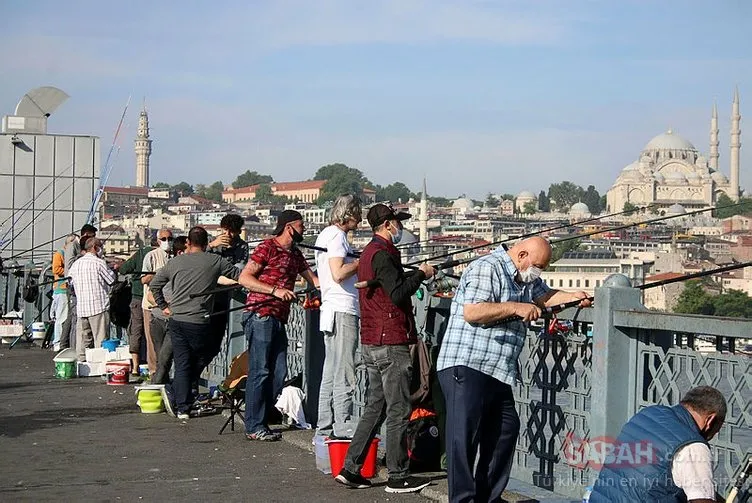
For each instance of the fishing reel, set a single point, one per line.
(440, 284)
(312, 300)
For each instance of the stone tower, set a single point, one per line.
(424, 219)
(736, 146)
(143, 150)
(714, 139)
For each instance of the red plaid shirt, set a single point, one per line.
(280, 268)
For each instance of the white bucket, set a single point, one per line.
(37, 330)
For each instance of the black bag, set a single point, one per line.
(423, 444)
(120, 303)
(30, 290)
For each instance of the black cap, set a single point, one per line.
(284, 218)
(380, 213)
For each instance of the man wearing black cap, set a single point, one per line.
(270, 278)
(387, 329)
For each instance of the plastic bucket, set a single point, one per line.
(110, 345)
(149, 398)
(65, 370)
(117, 373)
(338, 451)
(38, 330)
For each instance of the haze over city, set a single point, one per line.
(521, 93)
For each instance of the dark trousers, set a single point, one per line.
(481, 419)
(163, 348)
(68, 332)
(217, 331)
(188, 344)
(267, 368)
(390, 370)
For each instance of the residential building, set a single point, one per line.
(307, 191)
(586, 270)
(662, 298)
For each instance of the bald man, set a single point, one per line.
(477, 364)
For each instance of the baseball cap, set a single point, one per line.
(284, 218)
(380, 213)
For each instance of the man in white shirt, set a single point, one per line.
(91, 279)
(153, 262)
(672, 459)
(339, 320)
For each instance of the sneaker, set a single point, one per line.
(408, 485)
(168, 399)
(183, 416)
(264, 436)
(354, 480)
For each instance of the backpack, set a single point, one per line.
(30, 290)
(120, 303)
(423, 443)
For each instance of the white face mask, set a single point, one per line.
(396, 238)
(100, 253)
(530, 274)
(165, 245)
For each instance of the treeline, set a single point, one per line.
(695, 299)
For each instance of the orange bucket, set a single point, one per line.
(117, 373)
(338, 451)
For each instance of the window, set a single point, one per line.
(561, 282)
(587, 283)
(570, 283)
(597, 283)
(578, 283)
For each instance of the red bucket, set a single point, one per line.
(338, 451)
(117, 373)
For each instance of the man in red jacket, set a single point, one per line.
(387, 328)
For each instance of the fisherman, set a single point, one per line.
(231, 247)
(60, 300)
(339, 318)
(270, 277)
(71, 252)
(477, 364)
(194, 272)
(676, 438)
(91, 278)
(138, 324)
(386, 333)
(159, 322)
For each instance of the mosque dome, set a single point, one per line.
(719, 177)
(462, 203)
(694, 177)
(675, 177)
(525, 194)
(676, 209)
(579, 209)
(669, 141)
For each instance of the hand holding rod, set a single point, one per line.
(260, 303)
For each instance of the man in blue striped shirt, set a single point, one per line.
(477, 364)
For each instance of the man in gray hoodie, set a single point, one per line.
(194, 272)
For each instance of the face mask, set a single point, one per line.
(530, 274)
(396, 238)
(296, 236)
(165, 245)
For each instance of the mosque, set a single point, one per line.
(671, 171)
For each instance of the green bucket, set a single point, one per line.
(65, 370)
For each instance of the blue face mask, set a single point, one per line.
(396, 238)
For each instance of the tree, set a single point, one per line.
(694, 300)
(530, 207)
(251, 178)
(563, 195)
(182, 189)
(340, 179)
(559, 249)
(593, 200)
(628, 208)
(265, 194)
(544, 204)
(161, 185)
(604, 203)
(394, 192)
(508, 197)
(492, 201)
(213, 192)
(733, 303)
(742, 209)
(439, 201)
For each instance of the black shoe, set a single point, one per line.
(354, 480)
(408, 485)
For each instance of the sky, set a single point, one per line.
(477, 96)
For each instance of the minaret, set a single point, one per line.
(714, 138)
(143, 150)
(424, 218)
(736, 146)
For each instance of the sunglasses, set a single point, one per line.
(166, 239)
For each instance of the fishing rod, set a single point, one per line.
(543, 231)
(548, 310)
(740, 480)
(261, 303)
(453, 263)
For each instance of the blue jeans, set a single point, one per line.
(188, 346)
(338, 379)
(267, 368)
